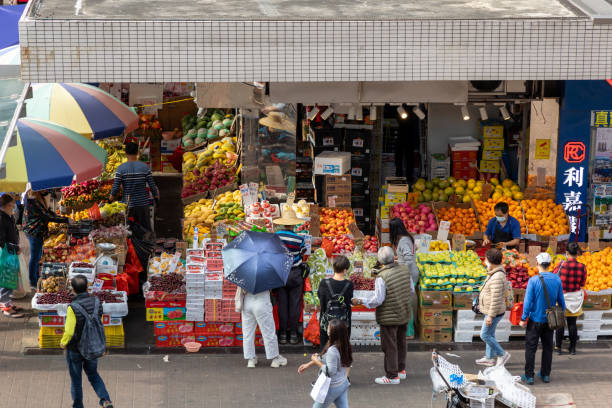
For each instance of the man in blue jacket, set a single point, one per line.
(534, 318)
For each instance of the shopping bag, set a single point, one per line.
(321, 387)
(9, 268)
(311, 333)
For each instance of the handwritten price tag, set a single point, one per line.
(443, 230)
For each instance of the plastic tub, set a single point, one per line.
(192, 347)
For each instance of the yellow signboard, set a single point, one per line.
(155, 314)
(542, 151)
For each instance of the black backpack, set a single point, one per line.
(336, 308)
(92, 343)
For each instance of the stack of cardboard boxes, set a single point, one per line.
(464, 156)
(357, 142)
(493, 147)
(337, 190)
(394, 191)
(435, 316)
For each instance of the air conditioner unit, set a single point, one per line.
(487, 87)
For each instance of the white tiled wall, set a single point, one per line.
(230, 51)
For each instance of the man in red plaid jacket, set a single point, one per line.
(573, 276)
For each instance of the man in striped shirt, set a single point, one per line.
(134, 176)
(290, 295)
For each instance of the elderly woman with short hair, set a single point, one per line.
(392, 300)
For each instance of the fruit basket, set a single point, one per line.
(114, 302)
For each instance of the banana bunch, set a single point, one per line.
(115, 160)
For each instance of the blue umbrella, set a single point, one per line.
(257, 261)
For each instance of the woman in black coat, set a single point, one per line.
(9, 239)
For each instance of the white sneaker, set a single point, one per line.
(387, 381)
(486, 362)
(503, 359)
(279, 361)
(402, 375)
(252, 363)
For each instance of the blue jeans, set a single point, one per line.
(487, 334)
(36, 250)
(76, 365)
(337, 395)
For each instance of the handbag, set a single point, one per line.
(321, 387)
(475, 307)
(555, 316)
(9, 267)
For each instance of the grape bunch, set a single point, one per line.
(106, 296)
(169, 283)
(63, 296)
(362, 283)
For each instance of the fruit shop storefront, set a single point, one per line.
(359, 125)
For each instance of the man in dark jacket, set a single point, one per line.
(70, 341)
(392, 300)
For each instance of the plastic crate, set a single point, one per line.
(439, 168)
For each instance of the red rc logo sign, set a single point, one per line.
(574, 152)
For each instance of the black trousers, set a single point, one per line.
(393, 344)
(573, 332)
(142, 216)
(536, 332)
(289, 301)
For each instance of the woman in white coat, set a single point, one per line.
(256, 311)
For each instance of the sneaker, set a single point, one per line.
(282, 338)
(279, 361)
(502, 360)
(107, 404)
(527, 380)
(572, 351)
(293, 338)
(402, 375)
(545, 378)
(387, 381)
(252, 363)
(489, 362)
(558, 350)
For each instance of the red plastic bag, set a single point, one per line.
(122, 282)
(328, 247)
(311, 333)
(132, 269)
(516, 313)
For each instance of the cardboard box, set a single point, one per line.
(491, 154)
(436, 299)
(169, 146)
(464, 165)
(596, 302)
(463, 301)
(396, 185)
(338, 200)
(215, 340)
(158, 314)
(435, 317)
(164, 303)
(207, 328)
(493, 144)
(337, 180)
(332, 163)
(493, 132)
(385, 212)
(338, 186)
(170, 328)
(464, 155)
(174, 340)
(394, 198)
(489, 166)
(436, 334)
(466, 174)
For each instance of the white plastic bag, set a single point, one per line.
(321, 388)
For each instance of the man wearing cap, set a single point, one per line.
(534, 318)
(290, 295)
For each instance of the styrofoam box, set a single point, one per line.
(467, 336)
(361, 294)
(476, 325)
(363, 316)
(471, 316)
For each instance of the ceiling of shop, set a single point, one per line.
(301, 10)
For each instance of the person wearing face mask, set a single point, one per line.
(492, 303)
(503, 230)
(37, 217)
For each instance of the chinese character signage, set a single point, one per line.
(572, 182)
(601, 119)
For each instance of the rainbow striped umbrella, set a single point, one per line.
(46, 155)
(86, 109)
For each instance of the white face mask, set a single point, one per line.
(501, 219)
(487, 264)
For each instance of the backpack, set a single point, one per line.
(336, 308)
(92, 343)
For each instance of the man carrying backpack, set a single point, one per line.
(85, 342)
(335, 296)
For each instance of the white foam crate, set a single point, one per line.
(467, 336)
(468, 315)
(592, 315)
(363, 316)
(476, 325)
(364, 342)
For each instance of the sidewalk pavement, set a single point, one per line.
(214, 380)
(221, 380)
